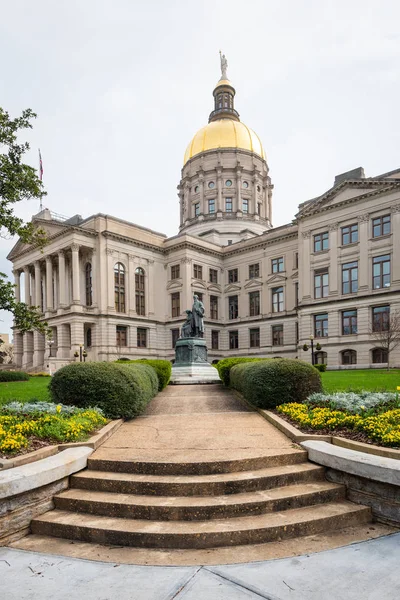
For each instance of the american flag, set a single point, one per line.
(40, 166)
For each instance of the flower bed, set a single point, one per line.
(29, 426)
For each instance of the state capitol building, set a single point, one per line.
(121, 290)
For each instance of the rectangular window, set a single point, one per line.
(122, 335)
(254, 303)
(214, 339)
(381, 226)
(141, 337)
(233, 276)
(139, 292)
(176, 304)
(277, 299)
(321, 325)
(197, 209)
(380, 318)
(296, 260)
(213, 276)
(381, 272)
(321, 241)
(175, 271)
(211, 206)
(254, 338)
(228, 204)
(277, 265)
(233, 340)
(349, 322)
(349, 234)
(350, 278)
(296, 293)
(254, 271)
(233, 306)
(174, 336)
(197, 271)
(321, 285)
(277, 335)
(213, 307)
(245, 205)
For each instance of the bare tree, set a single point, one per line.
(386, 332)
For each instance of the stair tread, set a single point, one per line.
(176, 528)
(200, 501)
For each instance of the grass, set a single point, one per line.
(23, 391)
(373, 380)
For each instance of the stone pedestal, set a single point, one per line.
(191, 365)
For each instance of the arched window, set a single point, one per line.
(349, 357)
(89, 337)
(379, 355)
(321, 358)
(139, 291)
(119, 287)
(88, 284)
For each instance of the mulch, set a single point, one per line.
(34, 444)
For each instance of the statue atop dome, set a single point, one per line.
(224, 65)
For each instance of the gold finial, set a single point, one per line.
(224, 65)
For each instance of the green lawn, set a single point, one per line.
(23, 391)
(374, 380)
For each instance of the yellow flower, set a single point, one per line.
(58, 408)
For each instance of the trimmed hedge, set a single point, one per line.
(225, 365)
(163, 369)
(320, 368)
(13, 376)
(121, 391)
(266, 384)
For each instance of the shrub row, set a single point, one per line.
(13, 376)
(268, 383)
(120, 390)
(163, 368)
(225, 365)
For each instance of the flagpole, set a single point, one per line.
(41, 177)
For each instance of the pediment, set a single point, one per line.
(253, 283)
(199, 284)
(276, 279)
(213, 287)
(175, 284)
(232, 287)
(295, 275)
(52, 229)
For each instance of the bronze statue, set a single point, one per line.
(197, 317)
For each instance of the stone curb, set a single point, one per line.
(94, 442)
(40, 473)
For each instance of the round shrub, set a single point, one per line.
(266, 384)
(321, 368)
(13, 376)
(121, 391)
(225, 365)
(163, 369)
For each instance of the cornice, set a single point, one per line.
(137, 243)
(52, 238)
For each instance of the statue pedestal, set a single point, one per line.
(191, 365)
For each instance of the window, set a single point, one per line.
(213, 276)
(139, 291)
(119, 287)
(277, 265)
(381, 272)
(349, 234)
(321, 358)
(277, 299)
(277, 335)
(175, 271)
(213, 307)
(254, 271)
(259, 208)
(228, 204)
(254, 338)
(196, 189)
(321, 325)
(233, 340)
(233, 276)
(175, 304)
(88, 337)
(321, 285)
(214, 339)
(245, 184)
(211, 185)
(379, 355)
(245, 205)
(296, 293)
(197, 271)
(321, 241)
(211, 206)
(381, 226)
(174, 336)
(233, 307)
(196, 208)
(349, 322)
(380, 318)
(228, 183)
(350, 278)
(88, 284)
(141, 337)
(121, 335)
(296, 260)
(349, 357)
(254, 303)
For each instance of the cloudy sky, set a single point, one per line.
(121, 86)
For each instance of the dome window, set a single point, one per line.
(228, 183)
(196, 189)
(211, 185)
(258, 189)
(245, 184)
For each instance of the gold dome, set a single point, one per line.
(224, 133)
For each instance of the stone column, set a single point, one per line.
(76, 294)
(186, 290)
(333, 260)
(238, 203)
(61, 279)
(395, 276)
(131, 302)
(110, 279)
(18, 348)
(77, 335)
(305, 280)
(27, 283)
(49, 283)
(150, 288)
(363, 283)
(38, 290)
(253, 209)
(201, 186)
(219, 190)
(17, 281)
(38, 349)
(93, 260)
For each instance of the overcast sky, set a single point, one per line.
(121, 86)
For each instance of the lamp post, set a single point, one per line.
(80, 352)
(312, 350)
(50, 342)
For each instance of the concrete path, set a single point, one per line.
(368, 570)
